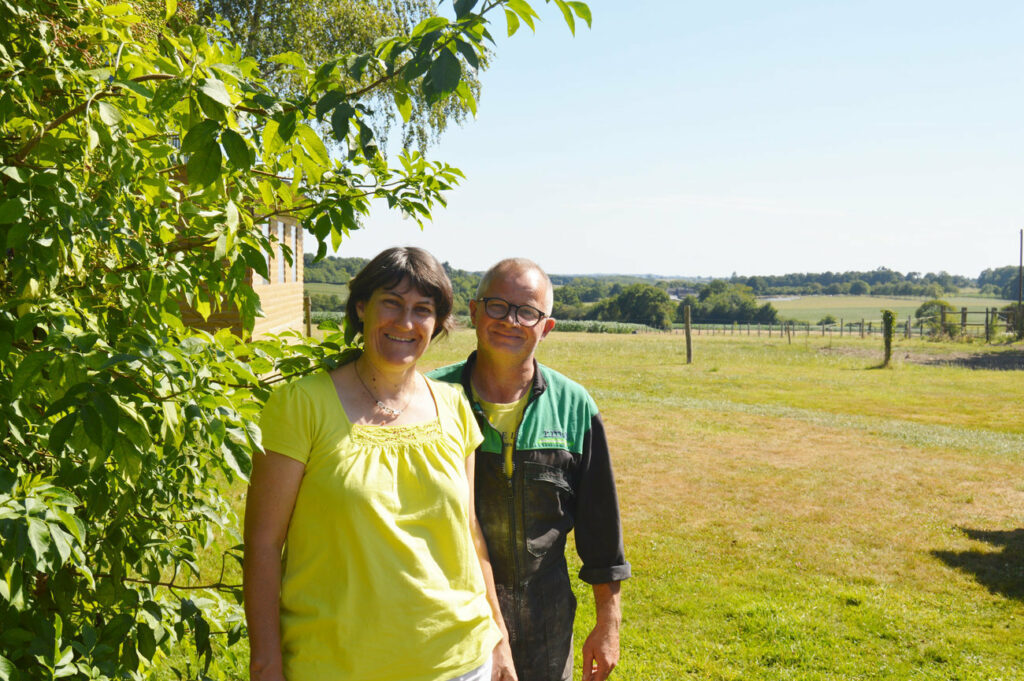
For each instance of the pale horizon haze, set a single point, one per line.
(705, 139)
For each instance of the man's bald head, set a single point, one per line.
(513, 267)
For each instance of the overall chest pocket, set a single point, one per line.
(548, 507)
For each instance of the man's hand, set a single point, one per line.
(601, 649)
(502, 668)
(601, 652)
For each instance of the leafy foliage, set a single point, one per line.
(721, 302)
(1003, 281)
(879, 282)
(318, 30)
(140, 155)
(636, 304)
(888, 332)
(930, 315)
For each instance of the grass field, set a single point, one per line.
(854, 308)
(793, 513)
(340, 290)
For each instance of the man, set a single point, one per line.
(542, 470)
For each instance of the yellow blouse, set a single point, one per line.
(381, 580)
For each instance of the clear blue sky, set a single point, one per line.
(701, 139)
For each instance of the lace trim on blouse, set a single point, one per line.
(395, 436)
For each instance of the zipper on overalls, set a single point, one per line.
(517, 591)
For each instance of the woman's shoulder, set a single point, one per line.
(451, 394)
(313, 387)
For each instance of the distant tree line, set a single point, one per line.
(660, 302)
(337, 270)
(881, 282)
(1002, 281)
(723, 302)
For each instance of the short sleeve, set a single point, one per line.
(472, 429)
(285, 423)
(463, 415)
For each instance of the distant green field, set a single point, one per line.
(340, 290)
(854, 308)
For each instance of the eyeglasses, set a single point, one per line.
(524, 315)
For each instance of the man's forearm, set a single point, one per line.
(607, 604)
(601, 649)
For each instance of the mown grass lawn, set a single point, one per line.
(792, 512)
(811, 309)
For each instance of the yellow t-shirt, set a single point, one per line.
(381, 580)
(504, 418)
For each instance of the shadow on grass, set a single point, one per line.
(1012, 360)
(1001, 572)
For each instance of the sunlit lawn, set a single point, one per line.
(793, 513)
(811, 309)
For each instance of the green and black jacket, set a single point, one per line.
(561, 481)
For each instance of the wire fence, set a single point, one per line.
(988, 323)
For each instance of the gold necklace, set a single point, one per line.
(390, 411)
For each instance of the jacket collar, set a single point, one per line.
(539, 385)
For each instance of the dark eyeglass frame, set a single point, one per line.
(512, 308)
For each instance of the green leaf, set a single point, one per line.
(215, 90)
(59, 434)
(582, 10)
(139, 89)
(237, 149)
(39, 539)
(330, 100)
(340, 121)
(204, 166)
(272, 142)
(404, 105)
(313, 145)
(286, 126)
(210, 108)
(513, 22)
(468, 52)
(464, 7)
(428, 25)
(170, 7)
(29, 368)
(289, 59)
(8, 672)
(12, 173)
(108, 409)
(200, 135)
(146, 640)
(231, 216)
(93, 424)
(220, 250)
(74, 525)
(109, 114)
(12, 210)
(443, 76)
(570, 21)
(61, 541)
(524, 10)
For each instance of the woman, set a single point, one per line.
(364, 482)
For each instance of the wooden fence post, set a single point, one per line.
(841, 324)
(861, 328)
(963, 321)
(686, 325)
(307, 314)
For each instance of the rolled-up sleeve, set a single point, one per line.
(598, 525)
